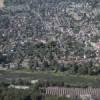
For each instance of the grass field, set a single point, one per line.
(73, 80)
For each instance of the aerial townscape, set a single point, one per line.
(49, 49)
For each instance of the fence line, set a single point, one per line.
(61, 91)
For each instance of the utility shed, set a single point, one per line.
(19, 87)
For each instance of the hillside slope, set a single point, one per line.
(51, 35)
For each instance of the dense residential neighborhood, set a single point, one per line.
(38, 31)
(52, 45)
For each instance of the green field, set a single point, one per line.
(74, 80)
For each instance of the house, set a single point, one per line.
(34, 81)
(12, 65)
(25, 63)
(98, 45)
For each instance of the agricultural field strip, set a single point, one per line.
(50, 76)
